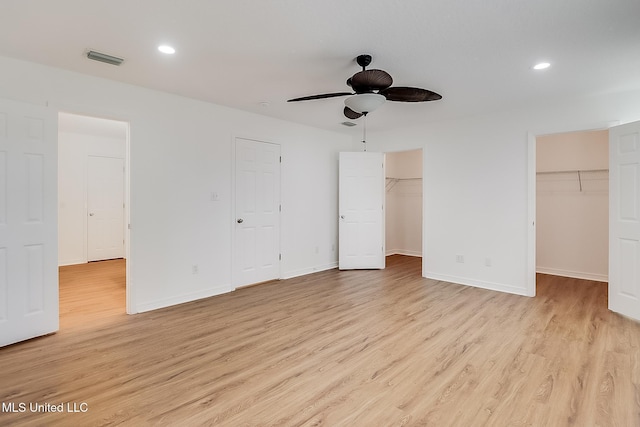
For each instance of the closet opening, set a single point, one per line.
(403, 202)
(572, 205)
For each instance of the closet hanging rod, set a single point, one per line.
(573, 171)
(578, 172)
(402, 179)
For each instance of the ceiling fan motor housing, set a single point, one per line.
(363, 60)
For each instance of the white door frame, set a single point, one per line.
(232, 192)
(531, 192)
(129, 286)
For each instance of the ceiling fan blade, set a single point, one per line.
(370, 80)
(409, 94)
(322, 96)
(350, 114)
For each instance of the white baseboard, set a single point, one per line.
(71, 262)
(305, 271)
(181, 299)
(501, 287)
(573, 274)
(403, 252)
(81, 261)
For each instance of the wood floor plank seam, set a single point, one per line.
(352, 348)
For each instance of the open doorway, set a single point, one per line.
(403, 201)
(92, 218)
(572, 205)
(623, 289)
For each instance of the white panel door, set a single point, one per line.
(257, 209)
(624, 219)
(105, 208)
(28, 222)
(361, 206)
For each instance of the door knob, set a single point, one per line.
(341, 216)
(91, 213)
(240, 221)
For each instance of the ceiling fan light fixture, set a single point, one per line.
(365, 102)
(372, 88)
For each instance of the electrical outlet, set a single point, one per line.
(194, 269)
(487, 262)
(460, 259)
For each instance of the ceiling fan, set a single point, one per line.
(371, 88)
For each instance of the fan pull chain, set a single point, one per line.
(364, 132)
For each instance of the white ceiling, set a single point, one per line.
(476, 53)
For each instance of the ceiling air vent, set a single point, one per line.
(348, 124)
(103, 57)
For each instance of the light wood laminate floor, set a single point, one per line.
(335, 348)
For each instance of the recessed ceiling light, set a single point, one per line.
(166, 49)
(541, 66)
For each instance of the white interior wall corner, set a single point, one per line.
(476, 185)
(180, 151)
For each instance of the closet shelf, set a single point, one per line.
(572, 171)
(578, 173)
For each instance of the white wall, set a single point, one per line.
(73, 151)
(476, 185)
(403, 222)
(181, 152)
(572, 212)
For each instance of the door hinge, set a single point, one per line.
(279, 257)
(280, 208)
(280, 159)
